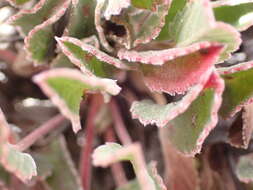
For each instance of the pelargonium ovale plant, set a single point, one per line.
(167, 60)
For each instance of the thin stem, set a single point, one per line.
(85, 162)
(117, 169)
(119, 125)
(7, 56)
(44, 129)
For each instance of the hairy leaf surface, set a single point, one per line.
(66, 88)
(20, 164)
(110, 153)
(238, 88)
(188, 131)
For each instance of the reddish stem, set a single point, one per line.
(119, 125)
(85, 162)
(117, 169)
(44, 129)
(7, 56)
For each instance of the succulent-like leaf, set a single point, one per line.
(175, 7)
(80, 25)
(188, 131)
(147, 112)
(114, 7)
(41, 38)
(56, 159)
(134, 185)
(240, 132)
(17, 2)
(66, 87)
(239, 15)
(88, 57)
(244, 168)
(192, 22)
(224, 34)
(236, 77)
(171, 76)
(110, 153)
(146, 25)
(81, 21)
(38, 24)
(20, 164)
(183, 31)
(27, 19)
(140, 25)
(146, 4)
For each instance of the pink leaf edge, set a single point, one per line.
(181, 105)
(59, 13)
(155, 31)
(90, 49)
(33, 10)
(162, 56)
(108, 85)
(247, 128)
(4, 139)
(233, 69)
(114, 7)
(123, 154)
(217, 83)
(171, 78)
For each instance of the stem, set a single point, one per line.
(117, 169)
(7, 56)
(85, 162)
(44, 129)
(119, 125)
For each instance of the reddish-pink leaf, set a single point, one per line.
(181, 73)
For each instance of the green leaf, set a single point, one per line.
(80, 26)
(224, 34)
(196, 23)
(192, 22)
(151, 23)
(110, 153)
(148, 112)
(141, 25)
(188, 131)
(87, 57)
(238, 15)
(40, 29)
(17, 2)
(176, 6)
(56, 160)
(42, 11)
(238, 88)
(244, 168)
(20, 164)
(66, 88)
(81, 21)
(146, 4)
(134, 185)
